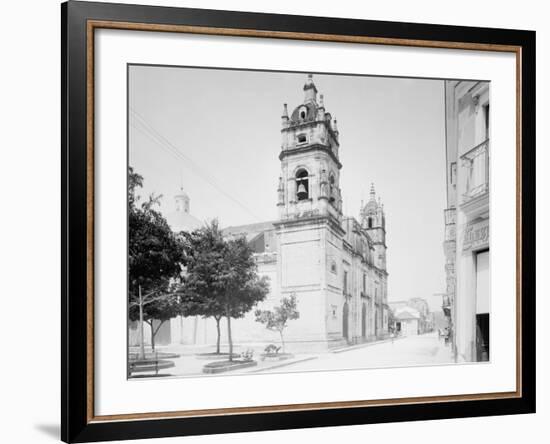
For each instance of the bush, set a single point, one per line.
(272, 349)
(247, 355)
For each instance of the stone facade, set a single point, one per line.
(466, 244)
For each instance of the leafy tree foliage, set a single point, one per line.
(203, 292)
(243, 288)
(277, 319)
(155, 257)
(222, 279)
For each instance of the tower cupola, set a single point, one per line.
(310, 163)
(373, 221)
(182, 201)
(310, 90)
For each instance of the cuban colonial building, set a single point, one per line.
(466, 245)
(334, 264)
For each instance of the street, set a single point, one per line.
(424, 349)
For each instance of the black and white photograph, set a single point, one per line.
(284, 222)
(275, 222)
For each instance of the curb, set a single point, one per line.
(284, 364)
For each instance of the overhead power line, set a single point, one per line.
(150, 132)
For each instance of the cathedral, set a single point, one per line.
(334, 264)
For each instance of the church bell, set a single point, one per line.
(302, 192)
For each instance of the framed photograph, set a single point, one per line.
(275, 221)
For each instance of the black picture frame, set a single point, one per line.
(77, 425)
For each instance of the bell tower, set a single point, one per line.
(309, 183)
(373, 221)
(310, 229)
(182, 201)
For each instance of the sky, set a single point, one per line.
(216, 133)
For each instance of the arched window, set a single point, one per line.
(369, 222)
(302, 184)
(331, 187)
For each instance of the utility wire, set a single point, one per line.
(149, 131)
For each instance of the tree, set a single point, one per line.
(202, 291)
(276, 319)
(221, 279)
(155, 258)
(241, 285)
(162, 309)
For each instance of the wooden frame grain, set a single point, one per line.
(80, 20)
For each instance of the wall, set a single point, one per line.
(30, 255)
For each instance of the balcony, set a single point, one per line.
(476, 164)
(447, 305)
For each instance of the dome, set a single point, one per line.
(304, 113)
(181, 194)
(371, 207)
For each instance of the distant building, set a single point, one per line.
(422, 307)
(412, 317)
(181, 218)
(466, 244)
(407, 321)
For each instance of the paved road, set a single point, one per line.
(414, 350)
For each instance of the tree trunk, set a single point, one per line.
(152, 335)
(229, 339)
(282, 340)
(218, 319)
(155, 331)
(141, 337)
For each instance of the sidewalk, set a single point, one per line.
(424, 349)
(189, 363)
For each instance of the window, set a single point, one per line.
(369, 222)
(345, 282)
(302, 185)
(486, 116)
(364, 283)
(453, 173)
(333, 267)
(331, 187)
(302, 138)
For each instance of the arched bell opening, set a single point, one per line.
(302, 185)
(331, 188)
